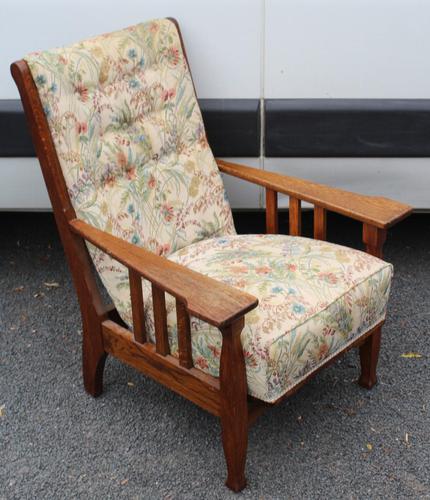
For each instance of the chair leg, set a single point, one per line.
(369, 353)
(235, 443)
(93, 359)
(234, 406)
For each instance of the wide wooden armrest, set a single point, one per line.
(210, 300)
(375, 210)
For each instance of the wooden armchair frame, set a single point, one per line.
(196, 295)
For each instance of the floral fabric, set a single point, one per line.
(314, 298)
(131, 142)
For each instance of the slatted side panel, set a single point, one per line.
(160, 321)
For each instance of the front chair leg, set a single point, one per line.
(234, 405)
(374, 239)
(369, 353)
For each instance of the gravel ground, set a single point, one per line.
(138, 440)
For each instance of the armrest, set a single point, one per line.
(210, 300)
(375, 210)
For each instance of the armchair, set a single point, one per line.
(233, 323)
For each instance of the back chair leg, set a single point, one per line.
(93, 357)
(369, 353)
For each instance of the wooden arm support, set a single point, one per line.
(212, 301)
(374, 210)
(376, 213)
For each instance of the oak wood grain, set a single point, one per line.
(193, 384)
(374, 239)
(369, 354)
(234, 405)
(137, 307)
(320, 223)
(160, 321)
(295, 216)
(271, 211)
(184, 335)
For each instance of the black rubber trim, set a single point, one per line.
(347, 127)
(232, 126)
(14, 134)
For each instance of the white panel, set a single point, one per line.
(344, 48)
(242, 194)
(403, 179)
(222, 37)
(22, 186)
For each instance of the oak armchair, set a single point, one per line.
(233, 323)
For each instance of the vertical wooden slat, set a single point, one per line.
(160, 321)
(295, 215)
(137, 306)
(320, 223)
(271, 211)
(184, 335)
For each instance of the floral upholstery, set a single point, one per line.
(314, 299)
(131, 143)
(132, 147)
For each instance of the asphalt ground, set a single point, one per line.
(138, 440)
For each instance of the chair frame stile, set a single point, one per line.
(196, 295)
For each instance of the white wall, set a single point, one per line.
(254, 49)
(210, 29)
(347, 48)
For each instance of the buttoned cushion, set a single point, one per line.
(315, 298)
(130, 139)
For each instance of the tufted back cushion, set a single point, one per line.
(131, 142)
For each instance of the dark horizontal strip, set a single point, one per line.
(15, 137)
(347, 127)
(232, 126)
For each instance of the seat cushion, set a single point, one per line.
(131, 142)
(315, 298)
